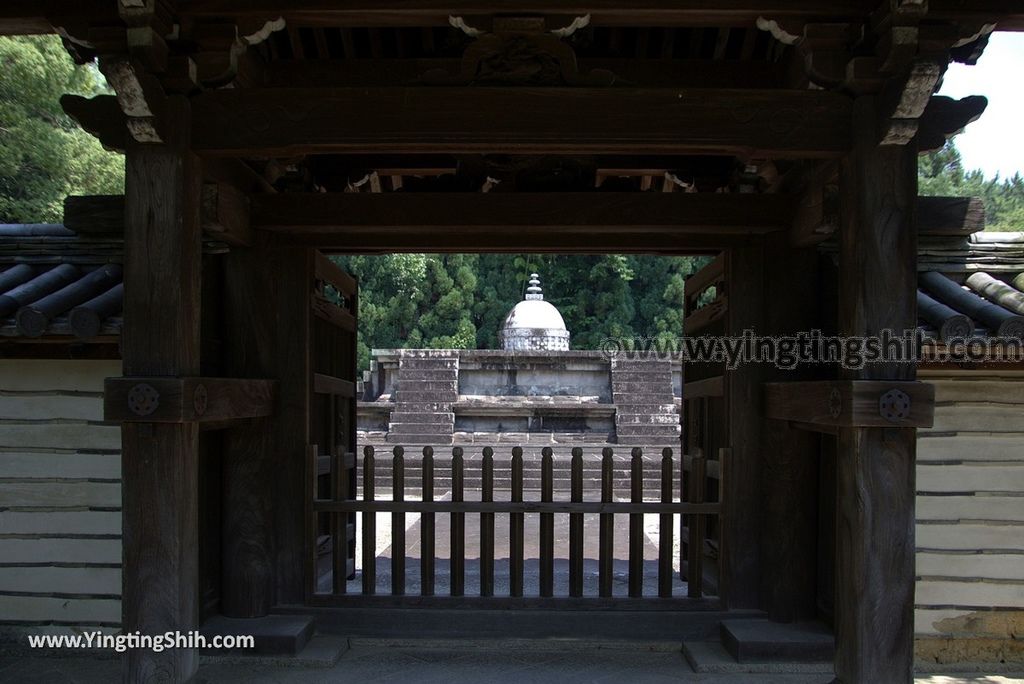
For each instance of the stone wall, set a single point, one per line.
(532, 397)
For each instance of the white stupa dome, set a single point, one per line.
(534, 324)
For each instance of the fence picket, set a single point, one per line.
(458, 545)
(547, 525)
(369, 527)
(427, 545)
(576, 526)
(693, 504)
(515, 524)
(398, 524)
(339, 524)
(665, 531)
(606, 539)
(487, 526)
(697, 525)
(636, 525)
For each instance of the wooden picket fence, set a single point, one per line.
(340, 506)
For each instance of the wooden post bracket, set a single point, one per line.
(826, 405)
(186, 400)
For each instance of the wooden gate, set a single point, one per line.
(339, 506)
(332, 461)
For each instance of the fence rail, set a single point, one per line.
(327, 512)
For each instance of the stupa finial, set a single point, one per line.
(534, 291)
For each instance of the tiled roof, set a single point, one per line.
(972, 288)
(52, 283)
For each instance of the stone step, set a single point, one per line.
(420, 397)
(422, 406)
(757, 640)
(643, 369)
(660, 379)
(646, 419)
(420, 428)
(640, 409)
(630, 433)
(536, 441)
(642, 364)
(422, 417)
(426, 385)
(427, 364)
(633, 391)
(641, 386)
(273, 634)
(428, 374)
(430, 439)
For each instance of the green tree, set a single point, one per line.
(44, 155)
(942, 173)
(460, 301)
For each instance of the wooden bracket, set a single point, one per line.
(519, 51)
(826, 405)
(186, 400)
(944, 117)
(905, 100)
(140, 96)
(224, 214)
(817, 213)
(101, 117)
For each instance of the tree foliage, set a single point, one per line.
(459, 301)
(942, 173)
(44, 155)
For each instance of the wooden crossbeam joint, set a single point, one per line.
(186, 399)
(224, 214)
(825, 405)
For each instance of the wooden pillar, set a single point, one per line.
(161, 338)
(875, 466)
(789, 457)
(741, 474)
(266, 336)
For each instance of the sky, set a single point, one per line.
(995, 142)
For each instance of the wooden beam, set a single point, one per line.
(950, 215)
(327, 271)
(186, 400)
(352, 13)
(851, 403)
(496, 222)
(267, 334)
(647, 73)
(874, 618)
(327, 310)
(29, 17)
(817, 216)
(94, 214)
(225, 214)
(162, 276)
(575, 212)
(740, 556)
(328, 384)
(769, 123)
(707, 276)
(90, 214)
(708, 387)
(789, 457)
